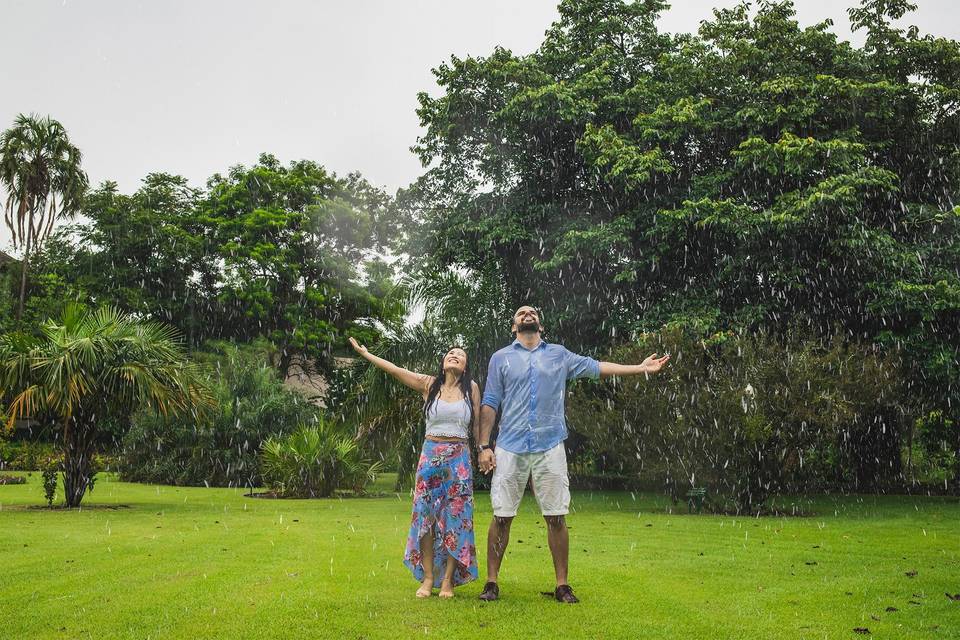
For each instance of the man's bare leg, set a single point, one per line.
(559, 541)
(426, 553)
(497, 539)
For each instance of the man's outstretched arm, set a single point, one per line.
(651, 365)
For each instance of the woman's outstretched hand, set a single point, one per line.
(359, 348)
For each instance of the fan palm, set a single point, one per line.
(40, 171)
(314, 460)
(88, 367)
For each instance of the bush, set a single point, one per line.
(749, 416)
(50, 470)
(25, 456)
(935, 454)
(314, 461)
(252, 405)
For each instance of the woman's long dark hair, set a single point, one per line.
(465, 384)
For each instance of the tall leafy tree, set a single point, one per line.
(755, 174)
(40, 171)
(145, 253)
(291, 242)
(286, 253)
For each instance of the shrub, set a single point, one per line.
(747, 415)
(50, 470)
(26, 456)
(935, 455)
(314, 461)
(252, 405)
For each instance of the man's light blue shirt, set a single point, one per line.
(530, 386)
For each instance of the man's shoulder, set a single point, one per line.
(499, 353)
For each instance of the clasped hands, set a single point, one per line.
(487, 461)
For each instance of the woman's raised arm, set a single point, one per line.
(417, 381)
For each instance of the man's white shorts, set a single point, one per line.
(551, 486)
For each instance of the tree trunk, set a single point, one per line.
(76, 463)
(284, 362)
(24, 266)
(912, 479)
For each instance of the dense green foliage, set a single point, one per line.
(251, 405)
(755, 176)
(282, 253)
(750, 175)
(25, 455)
(748, 416)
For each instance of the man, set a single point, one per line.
(526, 382)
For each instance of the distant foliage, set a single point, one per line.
(748, 416)
(252, 404)
(25, 455)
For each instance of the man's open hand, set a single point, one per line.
(653, 364)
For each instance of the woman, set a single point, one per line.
(440, 548)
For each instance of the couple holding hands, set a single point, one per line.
(526, 384)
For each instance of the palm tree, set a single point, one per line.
(90, 367)
(40, 171)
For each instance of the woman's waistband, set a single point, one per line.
(446, 440)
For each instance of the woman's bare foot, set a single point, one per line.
(426, 587)
(446, 588)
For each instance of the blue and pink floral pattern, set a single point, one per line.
(443, 501)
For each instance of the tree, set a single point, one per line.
(755, 174)
(291, 241)
(145, 253)
(40, 170)
(89, 368)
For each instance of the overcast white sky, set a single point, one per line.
(193, 87)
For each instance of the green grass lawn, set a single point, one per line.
(211, 563)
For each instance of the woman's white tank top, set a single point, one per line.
(448, 419)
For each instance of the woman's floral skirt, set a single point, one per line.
(443, 502)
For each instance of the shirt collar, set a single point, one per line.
(517, 344)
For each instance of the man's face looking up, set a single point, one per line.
(526, 320)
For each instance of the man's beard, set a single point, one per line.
(528, 327)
